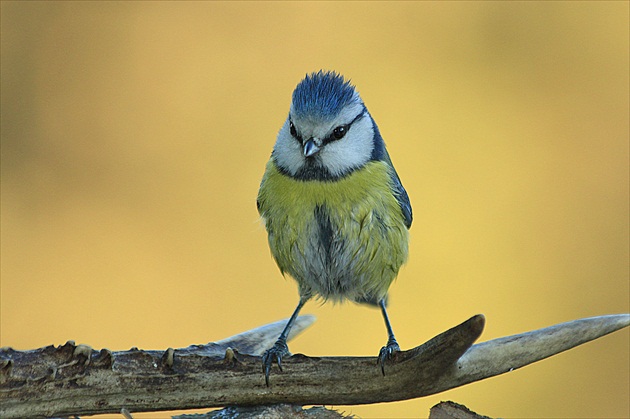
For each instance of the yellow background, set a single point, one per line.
(134, 137)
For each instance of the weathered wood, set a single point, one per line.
(452, 410)
(76, 380)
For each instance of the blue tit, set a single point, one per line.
(336, 213)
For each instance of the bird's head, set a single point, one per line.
(328, 133)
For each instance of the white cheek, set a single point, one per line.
(287, 151)
(352, 151)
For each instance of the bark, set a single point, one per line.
(76, 380)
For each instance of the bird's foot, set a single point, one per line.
(275, 353)
(387, 352)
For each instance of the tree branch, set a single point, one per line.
(76, 380)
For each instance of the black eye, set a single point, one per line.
(340, 131)
(293, 130)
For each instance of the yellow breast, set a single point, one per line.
(338, 239)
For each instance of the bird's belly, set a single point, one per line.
(355, 255)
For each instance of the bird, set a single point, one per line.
(336, 213)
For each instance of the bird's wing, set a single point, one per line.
(380, 153)
(399, 191)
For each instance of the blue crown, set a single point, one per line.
(322, 94)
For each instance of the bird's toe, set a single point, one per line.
(274, 354)
(387, 352)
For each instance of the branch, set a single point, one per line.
(76, 380)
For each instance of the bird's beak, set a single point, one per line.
(310, 148)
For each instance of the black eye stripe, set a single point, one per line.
(340, 131)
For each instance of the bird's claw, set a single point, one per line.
(387, 352)
(275, 353)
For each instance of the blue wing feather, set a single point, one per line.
(380, 153)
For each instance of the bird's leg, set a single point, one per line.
(388, 350)
(280, 348)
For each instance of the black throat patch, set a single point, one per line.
(314, 170)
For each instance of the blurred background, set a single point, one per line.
(135, 134)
